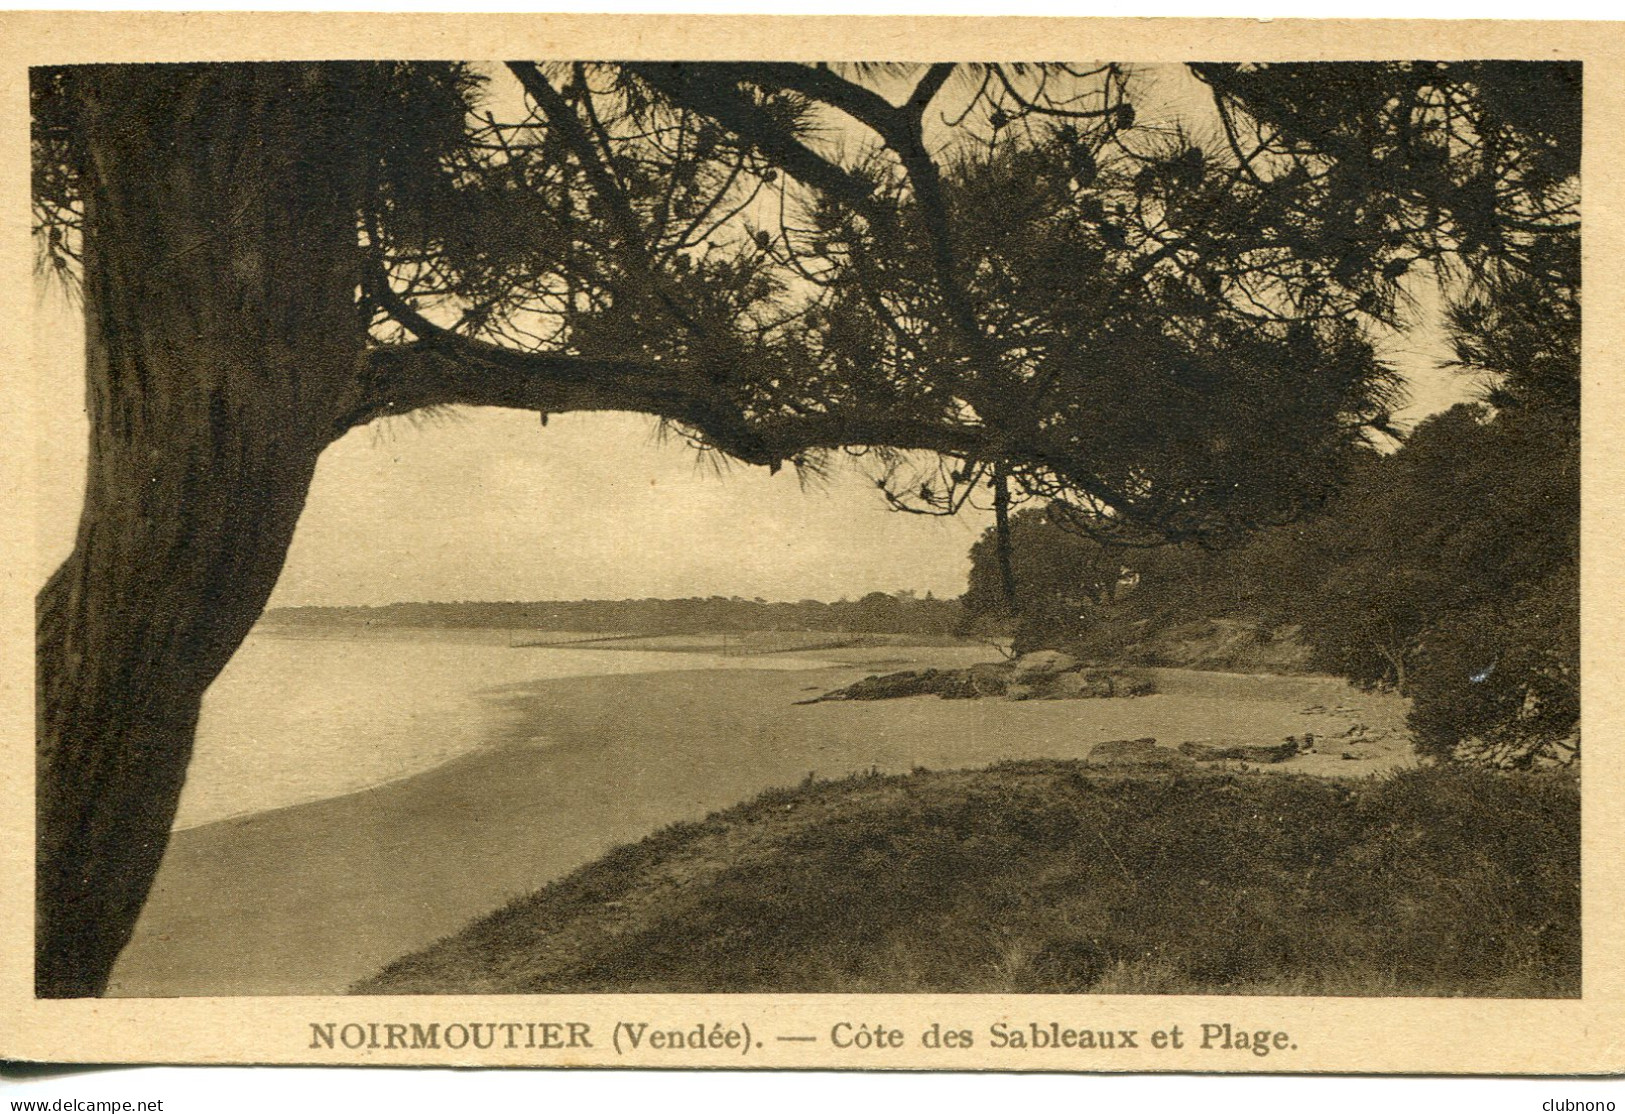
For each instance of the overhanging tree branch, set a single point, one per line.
(863, 105)
(722, 102)
(634, 245)
(901, 128)
(929, 86)
(407, 377)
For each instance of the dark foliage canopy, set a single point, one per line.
(982, 278)
(995, 264)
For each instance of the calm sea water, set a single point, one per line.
(295, 719)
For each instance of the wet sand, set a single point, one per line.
(307, 899)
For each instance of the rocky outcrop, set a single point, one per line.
(1231, 645)
(948, 683)
(1258, 753)
(1043, 675)
(1136, 752)
(1042, 663)
(989, 678)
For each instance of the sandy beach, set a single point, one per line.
(309, 898)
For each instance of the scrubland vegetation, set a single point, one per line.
(1051, 877)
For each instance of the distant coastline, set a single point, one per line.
(876, 613)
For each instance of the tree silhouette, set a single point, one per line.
(1059, 578)
(1476, 597)
(1470, 167)
(994, 264)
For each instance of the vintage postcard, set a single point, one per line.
(896, 543)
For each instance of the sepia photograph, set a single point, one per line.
(1011, 542)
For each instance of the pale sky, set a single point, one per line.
(488, 504)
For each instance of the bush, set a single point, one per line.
(1501, 685)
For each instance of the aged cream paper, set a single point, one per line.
(821, 1031)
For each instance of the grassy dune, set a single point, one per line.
(1050, 876)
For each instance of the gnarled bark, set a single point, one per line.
(221, 343)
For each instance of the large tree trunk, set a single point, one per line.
(221, 344)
